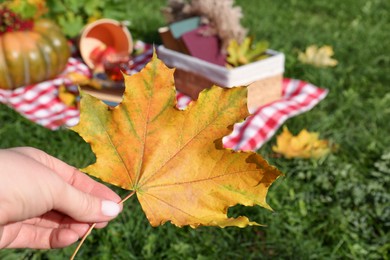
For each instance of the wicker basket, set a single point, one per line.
(263, 78)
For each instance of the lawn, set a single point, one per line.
(337, 207)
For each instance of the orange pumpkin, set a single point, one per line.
(29, 57)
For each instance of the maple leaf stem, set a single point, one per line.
(82, 241)
(127, 197)
(93, 226)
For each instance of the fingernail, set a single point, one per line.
(110, 208)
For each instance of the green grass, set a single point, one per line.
(334, 208)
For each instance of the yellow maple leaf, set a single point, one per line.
(174, 160)
(319, 57)
(304, 145)
(68, 98)
(78, 78)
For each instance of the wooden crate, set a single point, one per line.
(263, 78)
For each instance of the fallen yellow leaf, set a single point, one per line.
(319, 57)
(80, 79)
(304, 145)
(68, 98)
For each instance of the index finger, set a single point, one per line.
(70, 174)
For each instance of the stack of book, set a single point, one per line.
(190, 37)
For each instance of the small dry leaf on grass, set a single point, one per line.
(319, 57)
(304, 145)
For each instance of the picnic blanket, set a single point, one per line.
(40, 104)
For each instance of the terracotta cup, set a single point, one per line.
(104, 32)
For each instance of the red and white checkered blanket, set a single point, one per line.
(40, 103)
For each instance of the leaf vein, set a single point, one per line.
(172, 206)
(200, 180)
(115, 149)
(179, 150)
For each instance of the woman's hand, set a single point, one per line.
(45, 203)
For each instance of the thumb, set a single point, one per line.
(85, 207)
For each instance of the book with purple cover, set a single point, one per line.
(204, 47)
